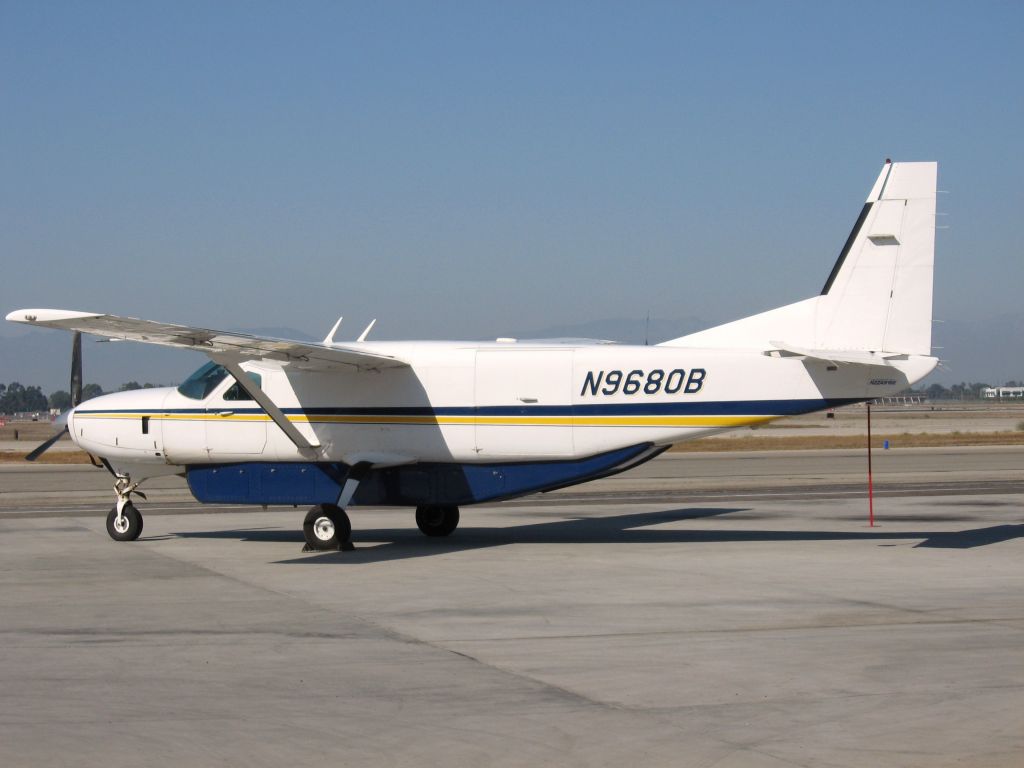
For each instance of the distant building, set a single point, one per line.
(991, 393)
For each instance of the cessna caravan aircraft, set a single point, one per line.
(437, 425)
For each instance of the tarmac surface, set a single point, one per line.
(726, 610)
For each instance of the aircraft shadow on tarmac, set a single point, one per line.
(381, 545)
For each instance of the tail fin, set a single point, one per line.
(878, 297)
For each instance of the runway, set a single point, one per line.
(725, 610)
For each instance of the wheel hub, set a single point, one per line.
(324, 528)
(121, 524)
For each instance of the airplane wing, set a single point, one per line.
(307, 356)
(846, 357)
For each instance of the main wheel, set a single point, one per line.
(326, 527)
(128, 527)
(437, 520)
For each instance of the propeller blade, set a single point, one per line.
(44, 447)
(76, 369)
(76, 398)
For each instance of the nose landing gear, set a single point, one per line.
(124, 522)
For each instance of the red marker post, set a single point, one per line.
(871, 489)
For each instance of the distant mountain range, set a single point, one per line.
(991, 351)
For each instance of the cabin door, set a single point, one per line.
(523, 403)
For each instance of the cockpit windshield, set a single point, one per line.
(203, 382)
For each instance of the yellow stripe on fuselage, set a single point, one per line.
(480, 421)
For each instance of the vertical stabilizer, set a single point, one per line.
(878, 296)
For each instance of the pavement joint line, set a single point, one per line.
(38, 632)
(756, 751)
(561, 690)
(746, 630)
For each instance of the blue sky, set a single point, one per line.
(473, 169)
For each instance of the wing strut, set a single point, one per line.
(266, 404)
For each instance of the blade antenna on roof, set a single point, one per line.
(329, 338)
(364, 334)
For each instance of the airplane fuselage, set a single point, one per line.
(473, 403)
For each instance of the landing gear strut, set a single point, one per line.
(326, 527)
(124, 522)
(437, 520)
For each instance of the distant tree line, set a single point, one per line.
(16, 398)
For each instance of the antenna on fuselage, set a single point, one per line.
(329, 338)
(364, 334)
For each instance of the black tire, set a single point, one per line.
(131, 521)
(326, 527)
(437, 520)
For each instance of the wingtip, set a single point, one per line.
(42, 316)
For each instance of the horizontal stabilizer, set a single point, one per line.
(843, 357)
(307, 356)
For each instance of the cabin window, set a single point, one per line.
(203, 381)
(235, 392)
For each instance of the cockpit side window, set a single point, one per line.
(203, 381)
(235, 391)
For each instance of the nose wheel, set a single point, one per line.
(124, 522)
(126, 526)
(326, 528)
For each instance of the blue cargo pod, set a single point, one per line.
(307, 483)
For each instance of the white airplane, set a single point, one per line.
(435, 425)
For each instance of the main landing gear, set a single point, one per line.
(124, 522)
(437, 520)
(328, 529)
